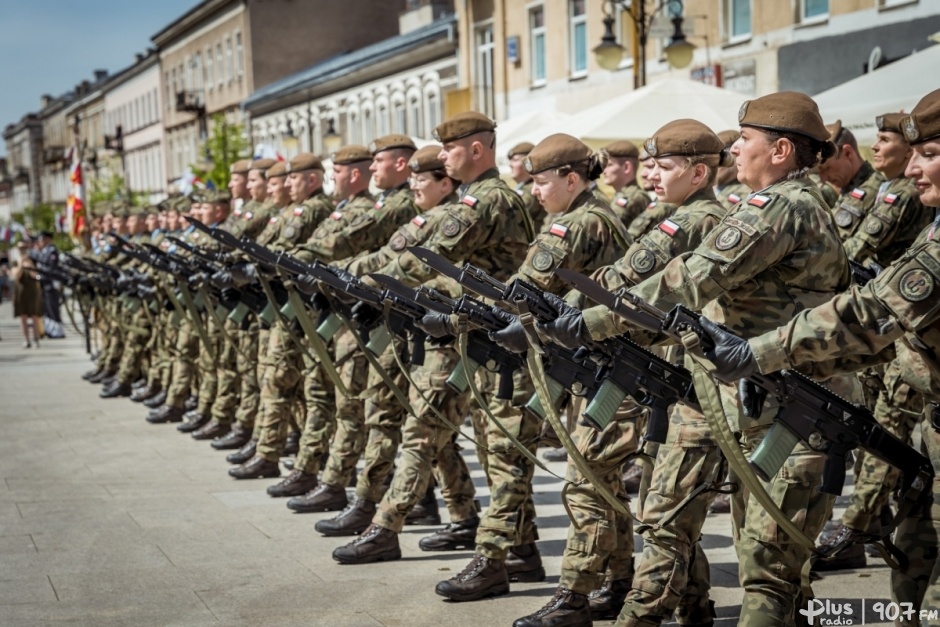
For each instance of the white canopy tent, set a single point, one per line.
(533, 126)
(638, 114)
(895, 87)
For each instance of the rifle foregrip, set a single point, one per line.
(459, 379)
(555, 392)
(773, 451)
(329, 327)
(379, 340)
(600, 411)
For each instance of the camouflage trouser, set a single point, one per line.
(478, 419)
(384, 418)
(247, 373)
(264, 339)
(157, 350)
(138, 334)
(228, 384)
(510, 518)
(428, 444)
(208, 364)
(918, 537)
(168, 352)
(350, 437)
(110, 358)
(184, 364)
(282, 374)
(599, 538)
(897, 409)
(673, 575)
(320, 423)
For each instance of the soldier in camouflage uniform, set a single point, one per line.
(238, 398)
(655, 211)
(599, 538)
(524, 182)
(623, 163)
(728, 189)
(895, 316)
(283, 364)
(774, 255)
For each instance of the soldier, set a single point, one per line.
(776, 254)
(156, 224)
(728, 189)
(524, 182)
(656, 211)
(620, 174)
(894, 314)
(599, 538)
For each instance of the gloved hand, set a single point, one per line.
(223, 280)
(349, 277)
(244, 273)
(365, 315)
(320, 303)
(146, 291)
(306, 284)
(568, 330)
(512, 337)
(558, 303)
(752, 398)
(584, 353)
(195, 280)
(436, 325)
(731, 355)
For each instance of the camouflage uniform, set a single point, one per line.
(629, 202)
(856, 201)
(731, 194)
(185, 352)
(532, 204)
(139, 327)
(599, 536)
(654, 214)
(775, 254)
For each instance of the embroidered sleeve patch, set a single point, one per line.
(419, 221)
(857, 193)
(669, 227)
(378, 204)
(891, 198)
(758, 200)
(734, 198)
(298, 211)
(622, 202)
(559, 230)
(469, 200)
(337, 215)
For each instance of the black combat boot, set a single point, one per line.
(256, 468)
(481, 578)
(350, 522)
(212, 429)
(425, 511)
(193, 422)
(607, 601)
(323, 498)
(115, 390)
(296, 483)
(565, 609)
(144, 393)
(292, 445)
(456, 536)
(524, 563)
(242, 455)
(852, 556)
(156, 401)
(165, 413)
(234, 439)
(375, 544)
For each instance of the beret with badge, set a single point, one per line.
(923, 123)
(352, 153)
(426, 159)
(520, 149)
(240, 167)
(555, 151)
(889, 123)
(688, 138)
(278, 169)
(788, 112)
(390, 142)
(463, 125)
(622, 149)
(303, 162)
(261, 164)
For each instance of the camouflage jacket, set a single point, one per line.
(896, 315)
(891, 226)
(331, 240)
(629, 203)
(293, 225)
(732, 193)
(856, 200)
(654, 213)
(250, 219)
(532, 204)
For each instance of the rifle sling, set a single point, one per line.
(316, 342)
(281, 319)
(204, 293)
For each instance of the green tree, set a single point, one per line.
(226, 145)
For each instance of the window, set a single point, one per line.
(367, 129)
(813, 10)
(400, 120)
(210, 70)
(197, 72)
(737, 15)
(433, 109)
(577, 38)
(173, 93)
(239, 54)
(381, 120)
(486, 98)
(219, 67)
(537, 42)
(229, 61)
(414, 118)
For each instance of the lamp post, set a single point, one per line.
(609, 52)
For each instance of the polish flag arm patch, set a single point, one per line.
(419, 221)
(758, 200)
(558, 230)
(734, 198)
(298, 211)
(622, 202)
(469, 200)
(857, 193)
(669, 227)
(336, 215)
(891, 198)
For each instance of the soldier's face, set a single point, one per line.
(839, 170)
(890, 153)
(615, 173)
(257, 186)
(278, 190)
(648, 166)
(673, 179)
(924, 170)
(456, 156)
(387, 168)
(555, 192)
(341, 178)
(753, 154)
(172, 220)
(150, 223)
(161, 220)
(238, 185)
(517, 169)
(429, 192)
(301, 184)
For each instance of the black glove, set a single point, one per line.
(512, 337)
(436, 325)
(243, 274)
(195, 280)
(558, 303)
(583, 354)
(365, 315)
(731, 355)
(307, 284)
(568, 330)
(344, 275)
(223, 280)
(752, 398)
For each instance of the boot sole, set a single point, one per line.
(264, 475)
(473, 597)
(316, 509)
(453, 546)
(279, 494)
(389, 556)
(528, 576)
(338, 533)
(234, 446)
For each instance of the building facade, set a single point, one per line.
(24, 161)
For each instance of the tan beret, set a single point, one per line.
(278, 169)
(729, 137)
(463, 125)
(687, 138)
(785, 111)
(261, 164)
(389, 142)
(304, 161)
(889, 122)
(353, 153)
(520, 149)
(426, 159)
(240, 167)
(217, 196)
(835, 131)
(555, 151)
(924, 121)
(623, 150)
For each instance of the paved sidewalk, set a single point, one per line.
(107, 520)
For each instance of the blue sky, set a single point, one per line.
(49, 46)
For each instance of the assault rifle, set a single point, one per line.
(863, 274)
(807, 408)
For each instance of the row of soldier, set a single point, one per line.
(737, 231)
